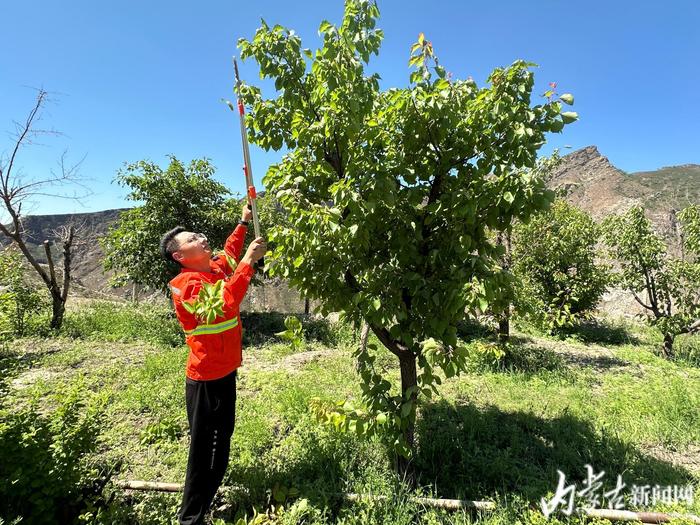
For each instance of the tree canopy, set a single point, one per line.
(389, 193)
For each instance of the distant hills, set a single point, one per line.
(589, 179)
(594, 184)
(87, 262)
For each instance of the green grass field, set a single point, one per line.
(500, 432)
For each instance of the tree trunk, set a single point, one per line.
(504, 327)
(668, 346)
(409, 378)
(306, 305)
(59, 308)
(504, 239)
(364, 336)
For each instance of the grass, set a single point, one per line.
(600, 396)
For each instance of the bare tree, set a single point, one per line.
(17, 190)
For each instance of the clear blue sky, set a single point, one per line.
(144, 79)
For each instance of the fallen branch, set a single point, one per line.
(452, 504)
(644, 517)
(152, 486)
(448, 504)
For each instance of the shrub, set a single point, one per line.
(18, 298)
(554, 258)
(47, 473)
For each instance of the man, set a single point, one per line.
(215, 354)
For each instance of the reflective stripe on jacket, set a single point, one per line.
(215, 348)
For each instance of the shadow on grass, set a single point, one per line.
(602, 332)
(13, 361)
(260, 328)
(466, 452)
(303, 462)
(469, 329)
(527, 356)
(462, 452)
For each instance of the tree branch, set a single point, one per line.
(395, 347)
(641, 302)
(691, 328)
(49, 259)
(23, 134)
(67, 244)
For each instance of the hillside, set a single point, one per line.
(88, 275)
(589, 179)
(670, 186)
(594, 184)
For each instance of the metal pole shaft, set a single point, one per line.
(250, 186)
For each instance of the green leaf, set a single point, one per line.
(569, 116)
(483, 304)
(567, 98)
(325, 27)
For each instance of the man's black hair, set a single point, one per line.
(168, 245)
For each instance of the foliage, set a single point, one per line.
(294, 332)
(502, 433)
(168, 429)
(45, 462)
(554, 260)
(180, 195)
(690, 219)
(209, 303)
(666, 286)
(18, 298)
(389, 193)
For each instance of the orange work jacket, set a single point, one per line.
(215, 348)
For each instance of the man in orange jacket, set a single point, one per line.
(215, 354)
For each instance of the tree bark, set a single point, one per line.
(504, 239)
(409, 378)
(504, 327)
(306, 305)
(668, 346)
(58, 309)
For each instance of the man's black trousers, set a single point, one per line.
(211, 411)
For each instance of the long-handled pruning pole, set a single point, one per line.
(246, 161)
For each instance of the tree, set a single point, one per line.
(184, 195)
(554, 260)
(671, 284)
(389, 194)
(17, 190)
(502, 309)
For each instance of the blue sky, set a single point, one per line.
(140, 80)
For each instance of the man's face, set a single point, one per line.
(193, 248)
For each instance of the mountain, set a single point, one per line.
(591, 182)
(88, 276)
